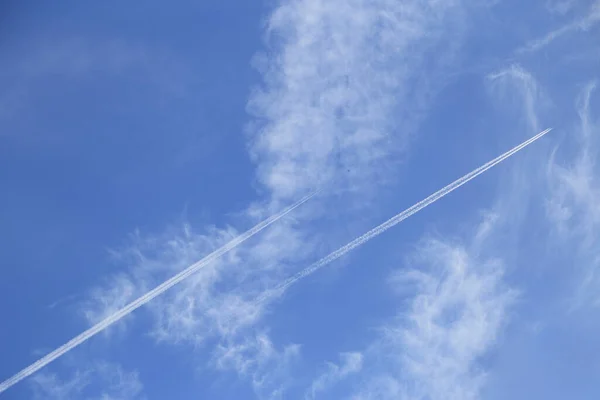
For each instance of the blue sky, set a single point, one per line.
(134, 141)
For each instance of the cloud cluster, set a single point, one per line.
(456, 308)
(581, 24)
(573, 204)
(350, 363)
(343, 88)
(571, 193)
(516, 79)
(97, 381)
(343, 83)
(255, 357)
(214, 305)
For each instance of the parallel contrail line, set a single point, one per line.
(105, 323)
(281, 288)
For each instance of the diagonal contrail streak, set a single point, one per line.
(77, 340)
(246, 235)
(396, 219)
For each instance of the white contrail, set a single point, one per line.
(42, 362)
(278, 290)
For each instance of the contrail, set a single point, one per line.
(246, 235)
(278, 290)
(76, 341)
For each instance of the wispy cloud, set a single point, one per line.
(344, 89)
(551, 252)
(254, 356)
(504, 83)
(103, 303)
(149, 295)
(458, 306)
(99, 380)
(560, 6)
(200, 310)
(396, 219)
(350, 363)
(346, 82)
(573, 205)
(581, 24)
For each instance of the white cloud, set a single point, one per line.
(254, 356)
(560, 6)
(216, 303)
(115, 383)
(433, 349)
(199, 306)
(581, 24)
(529, 94)
(573, 205)
(344, 87)
(341, 87)
(104, 302)
(350, 363)
(49, 386)
(525, 103)
(572, 194)
(345, 83)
